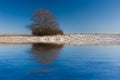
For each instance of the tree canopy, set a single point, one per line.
(44, 23)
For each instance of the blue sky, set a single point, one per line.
(80, 16)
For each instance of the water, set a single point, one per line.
(59, 62)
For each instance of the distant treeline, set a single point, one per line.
(14, 35)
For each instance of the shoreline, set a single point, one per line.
(67, 39)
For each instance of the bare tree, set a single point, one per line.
(44, 23)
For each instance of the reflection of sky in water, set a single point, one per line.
(68, 63)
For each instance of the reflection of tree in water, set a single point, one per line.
(45, 53)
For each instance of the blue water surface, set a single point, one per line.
(25, 62)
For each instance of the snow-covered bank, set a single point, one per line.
(67, 39)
